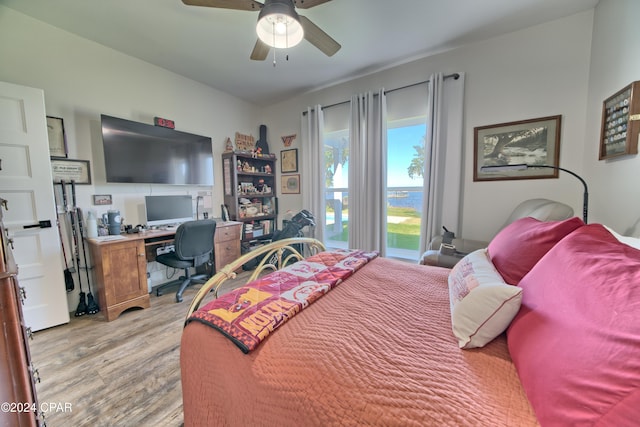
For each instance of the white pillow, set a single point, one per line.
(634, 242)
(482, 304)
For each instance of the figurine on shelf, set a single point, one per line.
(256, 153)
(267, 169)
(260, 186)
(246, 167)
(239, 166)
(228, 145)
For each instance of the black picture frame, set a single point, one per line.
(532, 141)
(289, 160)
(57, 138)
(71, 170)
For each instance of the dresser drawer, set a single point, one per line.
(227, 233)
(226, 243)
(226, 252)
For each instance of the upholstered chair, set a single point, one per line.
(449, 254)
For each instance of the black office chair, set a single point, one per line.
(193, 248)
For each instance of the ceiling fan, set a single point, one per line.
(279, 25)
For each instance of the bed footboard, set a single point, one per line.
(272, 257)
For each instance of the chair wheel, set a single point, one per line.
(158, 292)
(178, 298)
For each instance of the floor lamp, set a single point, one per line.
(523, 166)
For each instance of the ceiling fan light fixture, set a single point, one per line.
(279, 25)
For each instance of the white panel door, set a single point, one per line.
(27, 185)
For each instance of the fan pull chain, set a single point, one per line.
(274, 44)
(287, 38)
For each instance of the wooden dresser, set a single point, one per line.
(17, 385)
(226, 243)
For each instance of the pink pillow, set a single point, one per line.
(519, 246)
(576, 340)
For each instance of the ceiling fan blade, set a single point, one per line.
(308, 4)
(260, 51)
(226, 4)
(319, 38)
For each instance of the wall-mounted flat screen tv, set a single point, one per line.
(146, 154)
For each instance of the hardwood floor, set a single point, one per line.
(120, 373)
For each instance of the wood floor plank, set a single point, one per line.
(120, 373)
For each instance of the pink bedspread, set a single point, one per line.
(248, 315)
(376, 350)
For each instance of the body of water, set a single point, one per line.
(405, 199)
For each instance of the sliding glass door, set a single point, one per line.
(337, 186)
(405, 163)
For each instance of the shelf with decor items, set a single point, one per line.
(620, 132)
(250, 193)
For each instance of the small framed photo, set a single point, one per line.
(71, 170)
(102, 199)
(57, 137)
(532, 142)
(289, 160)
(290, 184)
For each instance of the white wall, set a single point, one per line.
(613, 184)
(82, 79)
(536, 72)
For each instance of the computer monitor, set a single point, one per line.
(168, 210)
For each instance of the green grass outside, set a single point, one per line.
(405, 235)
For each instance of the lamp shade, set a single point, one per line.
(279, 25)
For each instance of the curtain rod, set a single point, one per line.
(455, 76)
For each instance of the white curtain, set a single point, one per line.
(313, 170)
(443, 157)
(368, 172)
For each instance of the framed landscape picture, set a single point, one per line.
(527, 142)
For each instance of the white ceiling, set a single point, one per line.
(212, 46)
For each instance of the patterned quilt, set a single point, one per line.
(249, 314)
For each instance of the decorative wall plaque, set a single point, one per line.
(245, 142)
(620, 130)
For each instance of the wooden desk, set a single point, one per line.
(120, 271)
